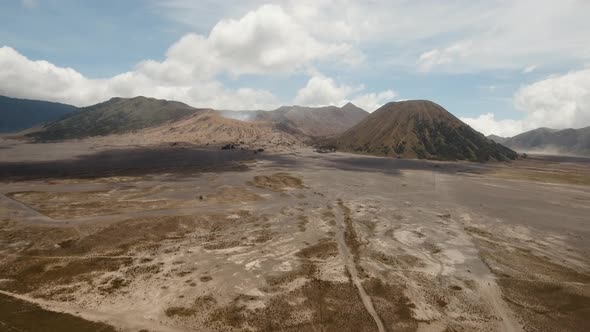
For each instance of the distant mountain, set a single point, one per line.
(315, 121)
(162, 118)
(419, 129)
(497, 139)
(552, 141)
(115, 116)
(19, 114)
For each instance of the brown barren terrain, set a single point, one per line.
(201, 239)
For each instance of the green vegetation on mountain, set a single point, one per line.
(115, 116)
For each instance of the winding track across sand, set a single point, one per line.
(493, 295)
(349, 263)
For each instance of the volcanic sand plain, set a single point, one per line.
(193, 239)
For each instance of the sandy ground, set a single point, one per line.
(294, 242)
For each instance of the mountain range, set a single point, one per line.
(549, 141)
(409, 129)
(316, 122)
(161, 120)
(306, 121)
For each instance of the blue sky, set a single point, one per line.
(97, 38)
(503, 67)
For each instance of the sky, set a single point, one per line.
(502, 66)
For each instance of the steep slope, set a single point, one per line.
(552, 141)
(422, 129)
(314, 121)
(18, 114)
(115, 116)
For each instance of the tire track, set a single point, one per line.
(349, 261)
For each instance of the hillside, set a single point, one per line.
(209, 126)
(419, 129)
(552, 141)
(115, 116)
(19, 114)
(314, 121)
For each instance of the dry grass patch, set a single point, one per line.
(18, 315)
(324, 249)
(180, 311)
(113, 285)
(392, 305)
(547, 306)
(229, 195)
(202, 304)
(67, 205)
(301, 222)
(37, 238)
(28, 273)
(351, 238)
(579, 177)
(305, 269)
(402, 261)
(548, 296)
(318, 305)
(277, 182)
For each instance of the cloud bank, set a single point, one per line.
(321, 91)
(265, 41)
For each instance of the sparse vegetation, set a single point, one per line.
(278, 182)
(114, 116)
(324, 249)
(18, 315)
(393, 306)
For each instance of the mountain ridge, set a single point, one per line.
(114, 116)
(313, 121)
(544, 140)
(124, 115)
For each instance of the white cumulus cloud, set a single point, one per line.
(428, 35)
(24, 78)
(487, 124)
(556, 102)
(372, 101)
(264, 41)
(321, 90)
